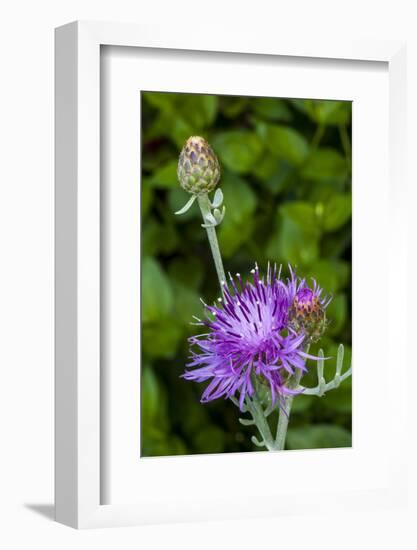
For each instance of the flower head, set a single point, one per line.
(198, 168)
(248, 337)
(308, 308)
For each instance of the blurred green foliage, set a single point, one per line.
(286, 178)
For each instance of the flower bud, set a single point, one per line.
(308, 314)
(198, 168)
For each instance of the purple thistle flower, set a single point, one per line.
(298, 288)
(249, 336)
(308, 307)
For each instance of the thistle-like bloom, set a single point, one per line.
(198, 167)
(249, 337)
(308, 308)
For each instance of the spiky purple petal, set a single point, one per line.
(249, 337)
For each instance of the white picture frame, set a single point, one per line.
(78, 291)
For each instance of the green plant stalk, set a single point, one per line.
(256, 410)
(284, 413)
(205, 207)
(253, 405)
(317, 137)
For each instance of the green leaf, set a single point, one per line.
(336, 211)
(325, 164)
(282, 178)
(331, 275)
(232, 106)
(301, 232)
(325, 111)
(296, 239)
(199, 110)
(292, 243)
(321, 436)
(157, 296)
(284, 142)
(266, 166)
(239, 198)
(275, 173)
(301, 213)
(271, 108)
(238, 150)
(237, 225)
(180, 115)
(330, 348)
(166, 176)
(180, 130)
(177, 198)
(160, 100)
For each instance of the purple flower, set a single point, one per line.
(308, 308)
(299, 289)
(248, 336)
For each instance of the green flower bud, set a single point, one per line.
(198, 168)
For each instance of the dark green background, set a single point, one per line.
(286, 179)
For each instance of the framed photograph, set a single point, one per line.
(221, 205)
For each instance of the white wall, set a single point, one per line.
(26, 274)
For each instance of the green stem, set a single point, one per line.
(317, 137)
(256, 410)
(284, 414)
(205, 207)
(282, 428)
